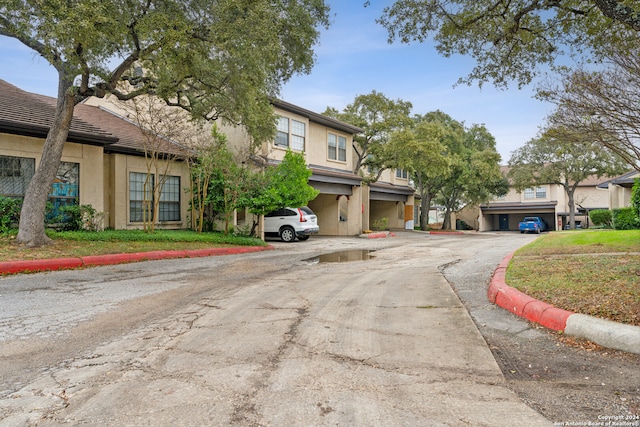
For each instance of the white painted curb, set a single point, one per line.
(604, 332)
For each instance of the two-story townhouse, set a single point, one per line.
(345, 207)
(549, 201)
(619, 189)
(103, 161)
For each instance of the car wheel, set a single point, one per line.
(303, 237)
(287, 234)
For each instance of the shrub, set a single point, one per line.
(625, 219)
(80, 217)
(9, 213)
(380, 224)
(601, 218)
(635, 197)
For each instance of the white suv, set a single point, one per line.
(289, 223)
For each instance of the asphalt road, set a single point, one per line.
(276, 338)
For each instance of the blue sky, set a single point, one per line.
(354, 58)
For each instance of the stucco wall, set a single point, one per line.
(88, 157)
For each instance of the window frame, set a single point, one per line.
(139, 214)
(336, 147)
(168, 205)
(18, 178)
(290, 134)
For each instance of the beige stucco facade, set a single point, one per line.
(549, 202)
(88, 157)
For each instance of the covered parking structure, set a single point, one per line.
(506, 216)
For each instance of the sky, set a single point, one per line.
(354, 58)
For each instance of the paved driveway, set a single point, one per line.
(259, 339)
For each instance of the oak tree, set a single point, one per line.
(514, 40)
(218, 59)
(562, 157)
(379, 117)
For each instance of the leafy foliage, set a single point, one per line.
(514, 40)
(196, 55)
(625, 219)
(286, 184)
(9, 212)
(635, 197)
(379, 117)
(601, 218)
(562, 157)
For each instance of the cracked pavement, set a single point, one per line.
(253, 340)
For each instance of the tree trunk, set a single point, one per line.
(572, 208)
(425, 207)
(31, 230)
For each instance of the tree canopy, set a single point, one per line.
(513, 40)
(379, 116)
(198, 55)
(563, 157)
(603, 104)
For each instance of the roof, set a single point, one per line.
(317, 118)
(130, 137)
(25, 113)
(625, 180)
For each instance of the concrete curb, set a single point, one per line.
(32, 266)
(603, 332)
(379, 235)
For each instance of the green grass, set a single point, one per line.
(589, 272)
(584, 241)
(83, 243)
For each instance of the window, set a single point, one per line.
(65, 190)
(402, 173)
(169, 208)
(140, 196)
(535, 193)
(337, 145)
(529, 193)
(290, 133)
(15, 174)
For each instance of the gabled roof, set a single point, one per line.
(25, 113)
(624, 180)
(317, 118)
(130, 137)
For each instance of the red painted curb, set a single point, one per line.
(445, 232)
(523, 305)
(380, 235)
(12, 267)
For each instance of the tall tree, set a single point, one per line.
(513, 40)
(197, 55)
(562, 157)
(602, 104)
(379, 116)
(420, 150)
(475, 175)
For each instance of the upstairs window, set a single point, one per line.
(337, 147)
(402, 173)
(535, 193)
(290, 133)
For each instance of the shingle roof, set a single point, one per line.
(29, 114)
(130, 137)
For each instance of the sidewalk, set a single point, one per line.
(606, 333)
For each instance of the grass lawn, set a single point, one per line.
(594, 272)
(83, 243)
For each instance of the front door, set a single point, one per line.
(504, 222)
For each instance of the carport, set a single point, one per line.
(339, 204)
(393, 202)
(506, 216)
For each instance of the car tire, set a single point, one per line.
(303, 237)
(287, 234)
